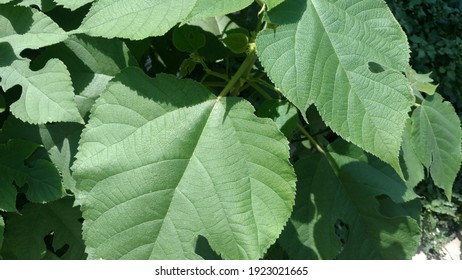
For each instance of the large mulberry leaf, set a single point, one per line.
(347, 58)
(163, 162)
(139, 19)
(436, 138)
(362, 210)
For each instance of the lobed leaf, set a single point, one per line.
(360, 211)
(436, 138)
(421, 82)
(48, 95)
(139, 19)
(42, 179)
(322, 55)
(25, 233)
(92, 63)
(27, 28)
(60, 141)
(162, 163)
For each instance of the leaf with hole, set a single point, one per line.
(23, 27)
(26, 233)
(345, 213)
(322, 57)
(210, 168)
(60, 141)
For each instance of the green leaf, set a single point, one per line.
(215, 25)
(188, 38)
(23, 27)
(436, 138)
(139, 19)
(43, 5)
(282, 112)
(421, 82)
(47, 93)
(322, 57)
(346, 215)
(25, 233)
(92, 63)
(8, 194)
(72, 4)
(414, 171)
(236, 42)
(209, 168)
(60, 140)
(42, 179)
(210, 8)
(272, 3)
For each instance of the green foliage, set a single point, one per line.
(435, 137)
(139, 19)
(333, 73)
(435, 37)
(357, 191)
(214, 162)
(245, 158)
(18, 168)
(44, 231)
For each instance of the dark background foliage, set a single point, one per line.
(434, 29)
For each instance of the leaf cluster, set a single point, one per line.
(215, 129)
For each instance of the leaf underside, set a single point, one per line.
(367, 201)
(436, 138)
(162, 162)
(139, 19)
(48, 95)
(323, 56)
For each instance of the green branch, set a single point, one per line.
(318, 147)
(243, 70)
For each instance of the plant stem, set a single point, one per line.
(329, 158)
(210, 72)
(260, 2)
(245, 67)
